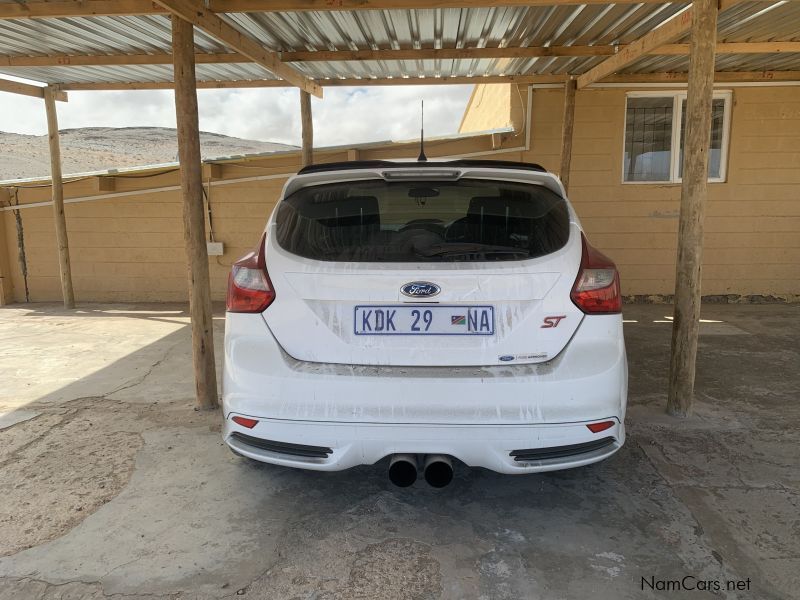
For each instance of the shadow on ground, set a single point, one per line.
(113, 485)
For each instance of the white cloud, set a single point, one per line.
(344, 116)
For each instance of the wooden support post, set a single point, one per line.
(57, 187)
(567, 128)
(308, 128)
(694, 193)
(205, 374)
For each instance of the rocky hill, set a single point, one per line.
(102, 148)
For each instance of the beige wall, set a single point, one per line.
(489, 108)
(495, 106)
(131, 248)
(752, 234)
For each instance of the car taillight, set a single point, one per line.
(249, 287)
(249, 423)
(596, 289)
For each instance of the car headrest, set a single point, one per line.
(325, 208)
(518, 205)
(352, 206)
(499, 206)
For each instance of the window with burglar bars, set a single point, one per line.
(654, 132)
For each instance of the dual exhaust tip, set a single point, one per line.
(437, 469)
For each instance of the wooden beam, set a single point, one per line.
(66, 60)
(455, 80)
(308, 129)
(168, 85)
(445, 53)
(37, 9)
(657, 38)
(102, 60)
(329, 5)
(205, 374)
(15, 87)
(195, 13)
(733, 48)
(721, 77)
(664, 34)
(278, 83)
(694, 196)
(568, 124)
(57, 187)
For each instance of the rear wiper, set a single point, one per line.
(466, 249)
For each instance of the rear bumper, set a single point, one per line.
(477, 415)
(490, 447)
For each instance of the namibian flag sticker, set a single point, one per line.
(458, 320)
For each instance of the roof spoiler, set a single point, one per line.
(387, 164)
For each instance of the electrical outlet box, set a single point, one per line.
(215, 248)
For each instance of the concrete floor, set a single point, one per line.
(112, 485)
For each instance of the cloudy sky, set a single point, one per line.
(345, 115)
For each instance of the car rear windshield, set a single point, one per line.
(423, 221)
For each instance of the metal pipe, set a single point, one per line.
(403, 469)
(438, 470)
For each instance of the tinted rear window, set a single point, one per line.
(423, 221)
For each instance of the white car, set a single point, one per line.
(424, 312)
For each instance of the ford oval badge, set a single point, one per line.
(506, 358)
(420, 289)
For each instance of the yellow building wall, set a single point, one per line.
(130, 248)
(752, 228)
(495, 106)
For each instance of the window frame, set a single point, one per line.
(678, 96)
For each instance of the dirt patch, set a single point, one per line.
(61, 466)
(397, 569)
(19, 589)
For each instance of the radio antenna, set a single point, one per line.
(422, 157)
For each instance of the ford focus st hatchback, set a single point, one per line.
(424, 312)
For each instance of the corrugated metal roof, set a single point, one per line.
(583, 25)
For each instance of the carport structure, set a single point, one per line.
(310, 44)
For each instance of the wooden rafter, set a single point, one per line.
(202, 18)
(720, 77)
(15, 87)
(37, 9)
(663, 34)
(278, 83)
(66, 60)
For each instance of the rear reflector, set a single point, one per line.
(245, 422)
(596, 289)
(602, 426)
(249, 287)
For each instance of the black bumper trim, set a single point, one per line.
(561, 451)
(282, 447)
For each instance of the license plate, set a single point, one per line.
(423, 320)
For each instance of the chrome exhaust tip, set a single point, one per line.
(438, 470)
(403, 469)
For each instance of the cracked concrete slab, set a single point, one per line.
(101, 420)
